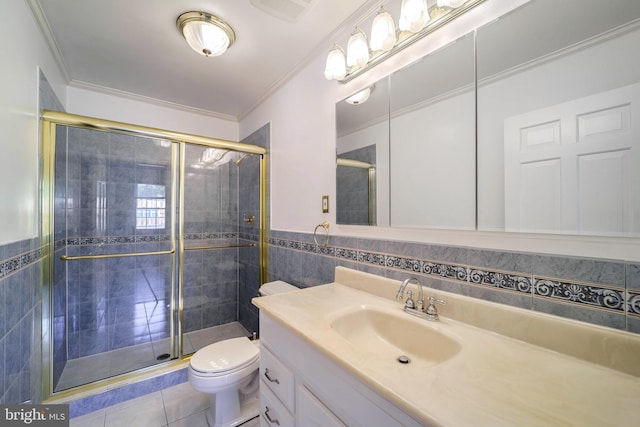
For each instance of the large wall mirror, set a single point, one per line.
(362, 166)
(556, 134)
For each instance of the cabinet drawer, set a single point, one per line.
(277, 377)
(272, 411)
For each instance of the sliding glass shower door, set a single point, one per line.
(115, 238)
(211, 264)
(144, 237)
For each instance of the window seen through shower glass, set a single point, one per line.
(150, 207)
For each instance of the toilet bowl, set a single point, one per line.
(228, 372)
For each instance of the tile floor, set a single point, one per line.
(105, 365)
(177, 406)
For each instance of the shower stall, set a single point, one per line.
(152, 237)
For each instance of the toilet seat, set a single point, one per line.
(225, 357)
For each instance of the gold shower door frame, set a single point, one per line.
(49, 121)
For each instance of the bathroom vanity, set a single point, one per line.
(331, 356)
(301, 386)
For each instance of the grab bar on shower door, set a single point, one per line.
(81, 257)
(245, 245)
(172, 251)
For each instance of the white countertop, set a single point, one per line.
(492, 381)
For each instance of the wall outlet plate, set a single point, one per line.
(325, 204)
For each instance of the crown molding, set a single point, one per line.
(45, 29)
(149, 100)
(364, 11)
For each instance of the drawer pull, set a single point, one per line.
(268, 417)
(272, 380)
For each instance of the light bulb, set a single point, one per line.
(450, 4)
(336, 67)
(383, 32)
(357, 49)
(414, 15)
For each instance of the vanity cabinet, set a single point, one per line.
(301, 386)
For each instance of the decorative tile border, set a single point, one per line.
(153, 238)
(18, 262)
(501, 280)
(581, 293)
(595, 296)
(634, 303)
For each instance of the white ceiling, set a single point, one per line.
(134, 47)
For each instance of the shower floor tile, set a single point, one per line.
(105, 365)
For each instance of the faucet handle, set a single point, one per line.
(431, 310)
(409, 303)
(434, 300)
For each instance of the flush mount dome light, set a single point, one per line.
(206, 33)
(361, 96)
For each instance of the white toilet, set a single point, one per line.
(228, 372)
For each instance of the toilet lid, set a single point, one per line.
(223, 356)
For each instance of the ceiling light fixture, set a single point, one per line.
(205, 33)
(416, 21)
(361, 96)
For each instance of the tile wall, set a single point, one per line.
(249, 204)
(598, 291)
(124, 301)
(352, 197)
(21, 303)
(20, 309)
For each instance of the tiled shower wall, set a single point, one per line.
(598, 291)
(249, 204)
(352, 197)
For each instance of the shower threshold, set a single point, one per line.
(89, 369)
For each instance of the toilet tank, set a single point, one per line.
(276, 287)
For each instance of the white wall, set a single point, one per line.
(23, 51)
(108, 106)
(303, 141)
(433, 164)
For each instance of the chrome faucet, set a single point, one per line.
(410, 303)
(417, 308)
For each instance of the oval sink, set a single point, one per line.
(389, 335)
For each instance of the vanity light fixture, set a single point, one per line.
(361, 96)
(336, 67)
(414, 15)
(357, 49)
(383, 32)
(205, 33)
(416, 21)
(450, 4)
